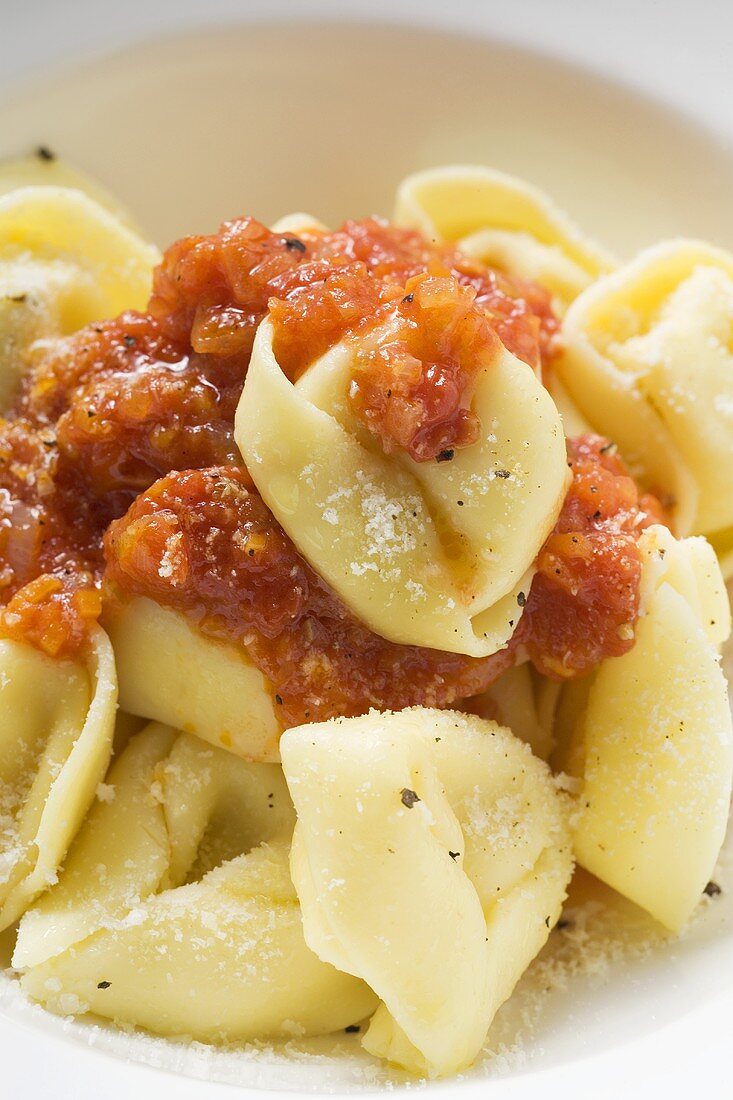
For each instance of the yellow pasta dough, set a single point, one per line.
(171, 672)
(431, 857)
(503, 222)
(430, 554)
(64, 261)
(650, 738)
(56, 727)
(648, 361)
(523, 701)
(175, 909)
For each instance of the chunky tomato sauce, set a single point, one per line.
(204, 543)
(584, 600)
(119, 472)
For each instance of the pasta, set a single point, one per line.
(64, 261)
(171, 673)
(504, 222)
(657, 774)
(430, 555)
(414, 872)
(175, 909)
(648, 361)
(518, 701)
(403, 545)
(56, 727)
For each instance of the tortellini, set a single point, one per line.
(505, 223)
(56, 727)
(175, 909)
(649, 361)
(430, 856)
(64, 261)
(424, 553)
(168, 670)
(650, 737)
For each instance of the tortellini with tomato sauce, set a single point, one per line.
(431, 856)
(64, 261)
(424, 553)
(649, 736)
(649, 361)
(56, 726)
(502, 222)
(175, 909)
(171, 672)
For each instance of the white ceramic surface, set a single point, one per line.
(623, 165)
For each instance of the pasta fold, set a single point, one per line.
(175, 910)
(431, 554)
(648, 361)
(430, 856)
(502, 222)
(650, 738)
(56, 727)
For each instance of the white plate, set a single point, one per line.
(292, 118)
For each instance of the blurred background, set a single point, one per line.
(195, 111)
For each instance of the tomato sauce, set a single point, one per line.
(119, 472)
(204, 543)
(584, 600)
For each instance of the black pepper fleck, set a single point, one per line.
(712, 890)
(408, 797)
(294, 244)
(103, 985)
(44, 153)
(446, 455)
